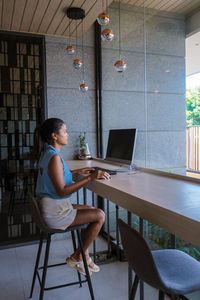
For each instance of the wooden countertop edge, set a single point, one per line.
(155, 172)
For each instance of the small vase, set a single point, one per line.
(85, 152)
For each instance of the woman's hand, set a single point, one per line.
(82, 171)
(99, 175)
(85, 170)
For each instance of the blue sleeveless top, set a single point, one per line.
(44, 187)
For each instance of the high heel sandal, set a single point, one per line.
(78, 265)
(94, 267)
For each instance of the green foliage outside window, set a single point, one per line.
(159, 238)
(193, 107)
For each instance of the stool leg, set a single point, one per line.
(134, 288)
(181, 297)
(45, 266)
(94, 243)
(85, 265)
(74, 246)
(11, 202)
(161, 295)
(174, 297)
(36, 264)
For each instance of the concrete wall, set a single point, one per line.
(64, 99)
(150, 94)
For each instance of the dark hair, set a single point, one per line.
(43, 134)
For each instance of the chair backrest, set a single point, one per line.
(139, 255)
(37, 216)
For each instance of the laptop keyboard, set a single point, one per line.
(110, 172)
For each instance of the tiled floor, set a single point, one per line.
(16, 267)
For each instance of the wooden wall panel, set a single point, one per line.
(48, 16)
(18, 12)
(50, 12)
(59, 16)
(31, 6)
(1, 11)
(8, 6)
(187, 7)
(63, 27)
(39, 14)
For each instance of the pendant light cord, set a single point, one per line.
(83, 55)
(69, 34)
(76, 42)
(119, 32)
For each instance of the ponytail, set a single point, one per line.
(38, 146)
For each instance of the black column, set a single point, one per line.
(98, 75)
(98, 89)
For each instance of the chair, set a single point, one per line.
(171, 271)
(16, 183)
(47, 232)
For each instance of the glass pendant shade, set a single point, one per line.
(77, 64)
(107, 35)
(84, 87)
(120, 66)
(103, 19)
(70, 50)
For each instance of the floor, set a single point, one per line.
(16, 267)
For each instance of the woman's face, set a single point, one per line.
(62, 136)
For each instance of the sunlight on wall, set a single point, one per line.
(193, 81)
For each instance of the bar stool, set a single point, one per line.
(46, 233)
(171, 271)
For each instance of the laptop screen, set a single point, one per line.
(121, 145)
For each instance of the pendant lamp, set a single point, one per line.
(73, 13)
(107, 34)
(70, 49)
(77, 63)
(120, 64)
(83, 85)
(103, 18)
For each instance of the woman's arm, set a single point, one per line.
(55, 169)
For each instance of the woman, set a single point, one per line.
(55, 186)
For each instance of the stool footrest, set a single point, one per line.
(59, 286)
(55, 265)
(64, 285)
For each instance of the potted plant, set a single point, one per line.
(84, 148)
(82, 140)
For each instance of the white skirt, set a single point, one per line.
(57, 213)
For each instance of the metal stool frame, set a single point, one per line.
(48, 232)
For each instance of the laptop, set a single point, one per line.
(120, 148)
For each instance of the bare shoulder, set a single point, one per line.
(55, 169)
(55, 160)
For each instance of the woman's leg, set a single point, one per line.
(83, 231)
(95, 218)
(82, 206)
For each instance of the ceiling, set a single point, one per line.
(184, 7)
(48, 16)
